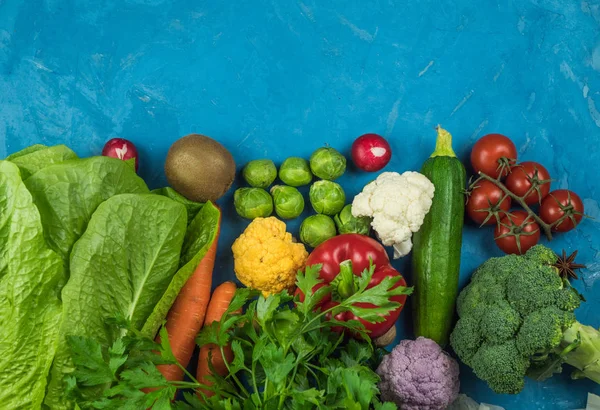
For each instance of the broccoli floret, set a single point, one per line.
(482, 291)
(466, 338)
(517, 314)
(535, 287)
(541, 255)
(499, 323)
(543, 330)
(501, 366)
(568, 298)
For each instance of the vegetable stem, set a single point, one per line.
(443, 144)
(237, 381)
(346, 287)
(521, 201)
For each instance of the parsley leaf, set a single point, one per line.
(266, 307)
(91, 369)
(306, 282)
(379, 296)
(165, 347)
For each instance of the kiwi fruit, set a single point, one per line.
(199, 168)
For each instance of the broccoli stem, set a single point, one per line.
(586, 357)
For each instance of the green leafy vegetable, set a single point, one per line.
(32, 159)
(122, 265)
(26, 151)
(192, 207)
(67, 195)
(90, 224)
(285, 357)
(201, 233)
(30, 309)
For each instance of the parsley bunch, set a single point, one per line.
(286, 356)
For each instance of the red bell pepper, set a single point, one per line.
(349, 254)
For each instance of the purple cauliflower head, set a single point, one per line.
(419, 375)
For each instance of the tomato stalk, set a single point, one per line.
(494, 210)
(517, 231)
(504, 166)
(569, 211)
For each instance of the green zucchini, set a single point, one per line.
(436, 247)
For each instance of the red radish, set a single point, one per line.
(122, 149)
(371, 152)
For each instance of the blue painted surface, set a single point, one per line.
(274, 79)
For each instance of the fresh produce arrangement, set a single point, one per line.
(273, 355)
(80, 241)
(327, 198)
(502, 181)
(108, 288)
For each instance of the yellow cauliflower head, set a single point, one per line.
(265, 258)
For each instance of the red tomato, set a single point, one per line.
(517, 232)
(484, 200)
(520, 180)
(492, 154)
(559, 203)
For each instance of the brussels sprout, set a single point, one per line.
(260, 173)
(316, 229)
(327, 163)
(348, 223)
(289, 202)
(295, 172)
(252, 203)
(327, 197)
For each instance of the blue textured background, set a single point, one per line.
(274, 79)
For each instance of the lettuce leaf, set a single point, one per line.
(67, 194)
(30, 309)
(34, 158)
(192, 207)
(120, 267)
(201, 234)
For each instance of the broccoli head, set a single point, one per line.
(516, 319)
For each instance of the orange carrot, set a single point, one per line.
(219, 302)
(186, 316)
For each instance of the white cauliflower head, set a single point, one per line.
(398, 204)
